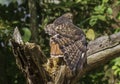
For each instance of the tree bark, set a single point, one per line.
(33, 20)
(33, 63)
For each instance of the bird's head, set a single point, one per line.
(57, 25)
(50, 29)
(69, 16)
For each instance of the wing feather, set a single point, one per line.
(70, 30)
(72, 50)
(71, 41)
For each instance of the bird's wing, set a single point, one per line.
(73, 50)
(69, 30)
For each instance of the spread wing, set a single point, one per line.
(73, 50)
(71, 41)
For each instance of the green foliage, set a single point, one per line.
(94, 77)
(118, 16)
(95, 17)
(116, 67)
(90, 34)
(101, 12)
(27, 34)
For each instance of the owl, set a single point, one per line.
(67, 41)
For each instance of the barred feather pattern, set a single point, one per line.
(70, 39)
(74, 51)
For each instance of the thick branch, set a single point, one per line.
(98, 59)
(103, 43)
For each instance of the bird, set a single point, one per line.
(67, 41)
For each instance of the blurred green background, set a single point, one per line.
(95, 17)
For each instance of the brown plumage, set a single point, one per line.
(67, 41)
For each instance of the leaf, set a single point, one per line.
(27, 34)
(93, 20)
(99, 9)
(118, 16)
(101, 17)
(114, 67)
(117, 71)
(90, 34)
(116, 60)
(109, 11)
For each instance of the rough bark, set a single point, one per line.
(31, 60)
(33, 20)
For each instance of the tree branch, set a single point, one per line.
(32, 61)
(98, 59)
